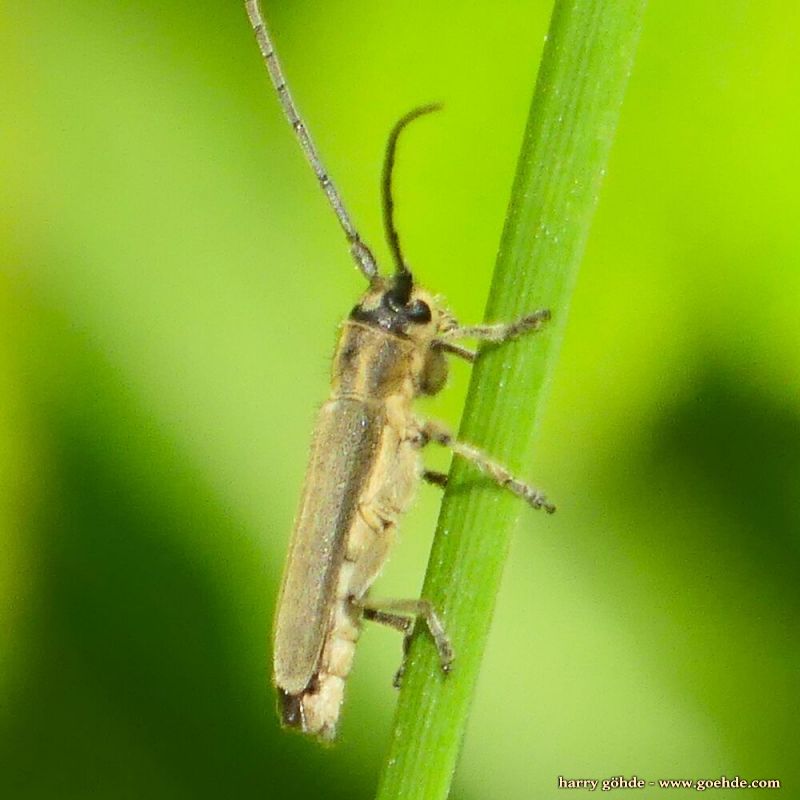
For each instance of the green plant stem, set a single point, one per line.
(584, 71)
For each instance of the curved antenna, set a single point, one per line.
(359, 250)
(402, 272)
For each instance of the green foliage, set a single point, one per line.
(572, 120)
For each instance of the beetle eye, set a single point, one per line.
(418, 311)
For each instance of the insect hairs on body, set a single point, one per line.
(365, 455)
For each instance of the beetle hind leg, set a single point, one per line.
(400, 615)
(403, 624)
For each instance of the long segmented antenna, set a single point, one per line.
(361, 253)
(403, 279)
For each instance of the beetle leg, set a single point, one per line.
(432, 431)
(389, 612)
(435, 478)
(403, 624)
(396, 621)
(455, 350)
(496, 332)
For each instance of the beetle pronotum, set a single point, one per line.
(365, 461)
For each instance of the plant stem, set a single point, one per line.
(584, 71)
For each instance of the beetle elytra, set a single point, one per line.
(365, 455)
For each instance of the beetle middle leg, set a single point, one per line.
(432, 431)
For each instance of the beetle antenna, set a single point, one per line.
(403, 278)
(359, 250)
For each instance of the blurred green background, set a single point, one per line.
(170, 286)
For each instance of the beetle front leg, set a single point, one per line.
(456, 350)
(432, 431)
(501, 331)
(435, 478)
(496, 333)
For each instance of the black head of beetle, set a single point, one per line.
(393, 307)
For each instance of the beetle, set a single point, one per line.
(365, 454)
